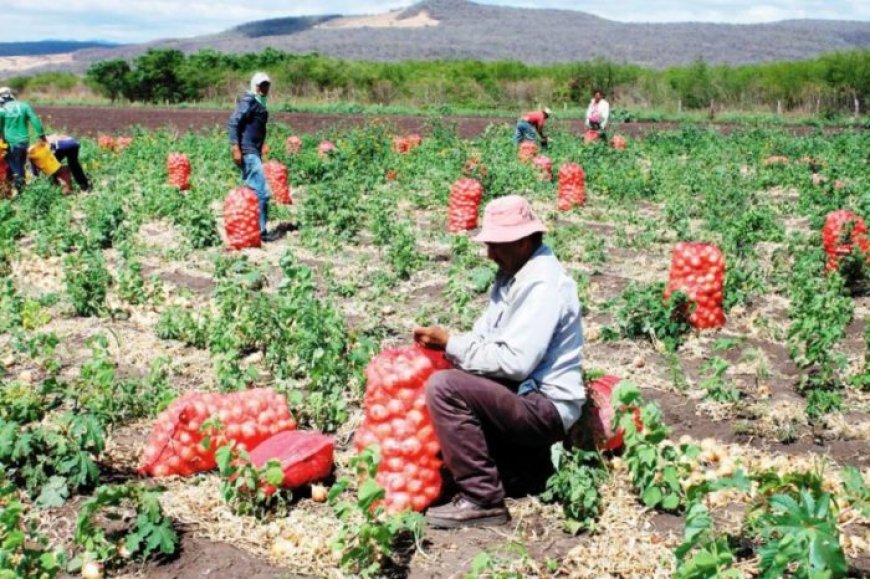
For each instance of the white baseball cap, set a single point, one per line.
(258, 79)
(6, 94)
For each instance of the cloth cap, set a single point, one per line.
(258, 79)
(547, 111)
(6, 94)
(508, 219)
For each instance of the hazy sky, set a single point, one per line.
(140, 21)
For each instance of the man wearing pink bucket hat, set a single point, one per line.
(518, 387)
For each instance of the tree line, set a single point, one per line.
(832, 84)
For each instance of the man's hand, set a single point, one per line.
(432, 337)
(237, 155)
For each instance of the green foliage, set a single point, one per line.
(23, 551)
(857, 493)
(654, 462)
(445, 86)
(366, 534)
(717, 387)
(711, 554)
(576, 484)
(801, 536)
(150, 535)
(643, 312)
(52, 458)
(87, 281)
(110, 77)
(249, 490)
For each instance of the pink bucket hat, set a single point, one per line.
(508, 219)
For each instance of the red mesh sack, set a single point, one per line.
(276, 177)
(590, 136)
(106, 142)
(406, 144)
(178, 166)
(837, 240)
(595, 429)
(293, 145)
(698, 270)
(122, 143)
(619, 142)
(305, 457)
(400, 145)
(242, 218)
(528, 150)
(5, 180)
(572, 186)
(465, 197)
(397, 420)
(544, 166)
(175, 446)
(325, 148)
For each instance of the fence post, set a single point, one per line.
(779, 107)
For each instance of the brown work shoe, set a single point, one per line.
(460, 512)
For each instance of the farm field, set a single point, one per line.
(117, 301)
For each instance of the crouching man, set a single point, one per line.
(518, 387)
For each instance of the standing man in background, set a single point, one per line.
(16, 120)
(247, 132)
(598, 113)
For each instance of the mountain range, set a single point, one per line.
(450, 29)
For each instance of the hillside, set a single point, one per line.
(437, 29)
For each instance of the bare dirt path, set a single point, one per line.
(91, 121)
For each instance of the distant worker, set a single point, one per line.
(598, 113)
(16, 120)
(247, 132)
(65, 148)
(531, 127)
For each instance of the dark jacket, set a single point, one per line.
(247, 125)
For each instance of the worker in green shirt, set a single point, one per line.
(16, 118)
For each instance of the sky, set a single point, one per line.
(134, 21)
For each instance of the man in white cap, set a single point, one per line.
(598, 113)
(16, 120)
(531, 127)
(247, 132)
(518, 387)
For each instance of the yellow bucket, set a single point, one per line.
(43, 158)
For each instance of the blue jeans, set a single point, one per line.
(17, 159)
(525, 132)
(255, 178)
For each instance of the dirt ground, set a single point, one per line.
(632, 541)
(92, 121)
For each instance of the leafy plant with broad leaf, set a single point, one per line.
(367, 534)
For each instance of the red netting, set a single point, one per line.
(397, 420)
(178, 167)
(465, 197)
(242, 218)
(698, 270)
(175, 445)
(572, 186)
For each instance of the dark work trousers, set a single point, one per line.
(17, 160)
(68, 149)
(490, 437)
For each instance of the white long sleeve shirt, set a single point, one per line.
(603, 109)
(531, 333)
